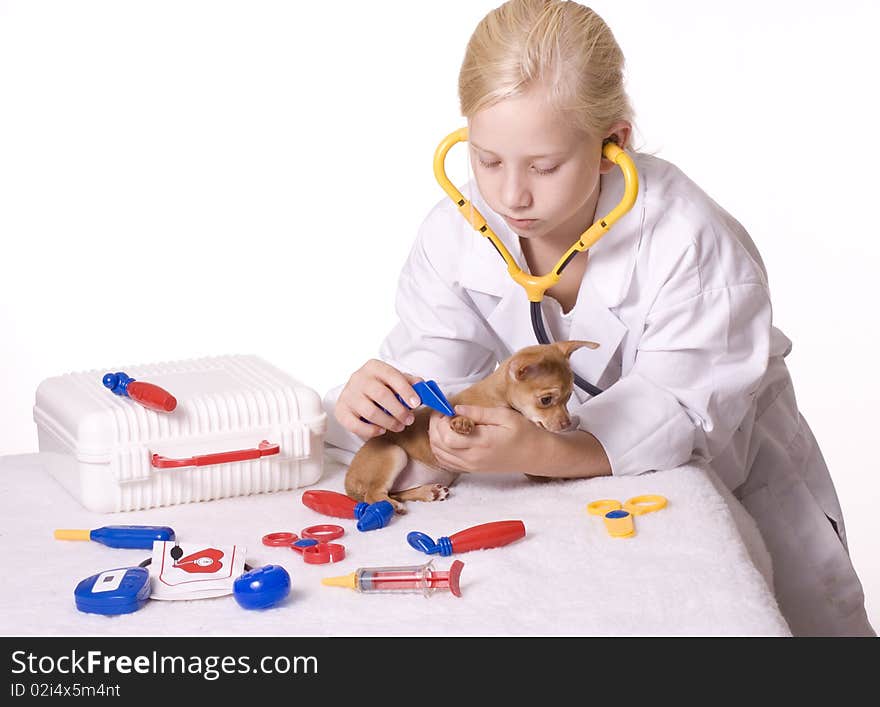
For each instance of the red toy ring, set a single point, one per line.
(322, 553)
(323, 533)
(280, 539)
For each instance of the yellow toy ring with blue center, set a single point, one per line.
(536, 285)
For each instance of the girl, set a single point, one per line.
(692, 367)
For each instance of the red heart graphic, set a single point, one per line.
(207, 561)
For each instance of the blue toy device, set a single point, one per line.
(119, 591)
(430, 395)
(374, 515)
(262, 587)
(138, 537)
(433, 397)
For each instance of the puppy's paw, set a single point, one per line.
(462, 425)
(439, 492)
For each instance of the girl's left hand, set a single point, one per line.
(502, 440)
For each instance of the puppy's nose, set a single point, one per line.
(565, 425)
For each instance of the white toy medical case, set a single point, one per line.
(241, 426)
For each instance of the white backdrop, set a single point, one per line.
(181, 179)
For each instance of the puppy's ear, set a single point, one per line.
(569, 347)
(524, 365)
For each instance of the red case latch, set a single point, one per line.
(263, 449)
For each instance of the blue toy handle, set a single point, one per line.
(117, 382)
(424, 543)
(140, 537)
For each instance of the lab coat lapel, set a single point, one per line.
(593, 321)
(484, 270)
(613, 258)
(606, 282)
(510, 318)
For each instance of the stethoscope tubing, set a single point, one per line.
(541, 336)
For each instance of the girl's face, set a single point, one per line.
(535, 170)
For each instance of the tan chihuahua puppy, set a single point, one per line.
(536, 381)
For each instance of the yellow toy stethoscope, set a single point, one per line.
(536, 285)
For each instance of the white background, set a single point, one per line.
(182, 179)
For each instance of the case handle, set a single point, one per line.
(263, 449)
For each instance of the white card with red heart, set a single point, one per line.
(194, 570)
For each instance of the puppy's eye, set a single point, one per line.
(546, 400)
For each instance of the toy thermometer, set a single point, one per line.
(140, 537)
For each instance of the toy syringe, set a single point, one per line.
(415, 579)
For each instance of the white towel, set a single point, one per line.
(696, 567)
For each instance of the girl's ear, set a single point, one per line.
(569, 347)
(619, 133)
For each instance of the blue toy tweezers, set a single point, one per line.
(433, 397)
(430, 395)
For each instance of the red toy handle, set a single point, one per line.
(487, 535)
(151, 396)
(264, 449)
(330, 503)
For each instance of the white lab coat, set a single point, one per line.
(692, 367)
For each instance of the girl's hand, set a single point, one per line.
(502, 440)
(371, 388)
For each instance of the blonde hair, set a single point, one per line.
(563, 45)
